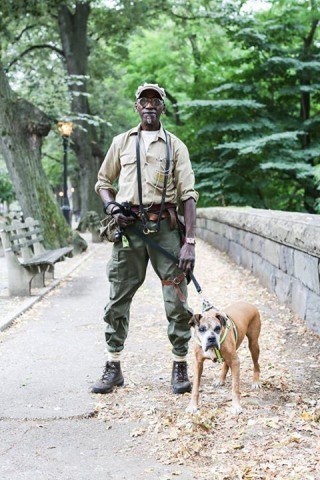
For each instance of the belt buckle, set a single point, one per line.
(177, 281)
(147, 229)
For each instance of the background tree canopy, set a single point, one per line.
(242, 86)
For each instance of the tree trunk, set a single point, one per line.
(73, 33)
(23, 127)
(311, 192)
(197, 60)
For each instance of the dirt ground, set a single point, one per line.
(276, 437)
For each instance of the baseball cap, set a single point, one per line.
(151, 86)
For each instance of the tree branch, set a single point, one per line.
(57, 160)
(35, 47)
(176, 114)
(309, 39)
(18, 37)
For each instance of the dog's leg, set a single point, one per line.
(255, 350)
(223, 374)
(235, 373)
(194, 402)
(253, 335)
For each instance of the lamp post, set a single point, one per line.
(65, 130)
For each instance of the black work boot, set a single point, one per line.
(111, 377)
(179, 380)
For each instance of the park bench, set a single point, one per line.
(28, 262)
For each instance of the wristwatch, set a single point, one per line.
(190, 241)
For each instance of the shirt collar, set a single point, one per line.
(136, 130)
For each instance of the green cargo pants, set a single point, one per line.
(126, 272)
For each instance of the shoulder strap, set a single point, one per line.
(141, 207)
(142, 211)
(165, 180)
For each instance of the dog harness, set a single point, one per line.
(230, 323)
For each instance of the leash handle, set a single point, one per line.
(196, 284)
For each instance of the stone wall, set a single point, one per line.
(281, 248)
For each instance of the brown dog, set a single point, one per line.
(209, 329)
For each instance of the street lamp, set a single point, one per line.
(65, 130)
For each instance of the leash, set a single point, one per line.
(206, 305)
(125, 209)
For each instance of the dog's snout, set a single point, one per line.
(212, 341)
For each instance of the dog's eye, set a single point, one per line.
(217, 329)
(202, 329)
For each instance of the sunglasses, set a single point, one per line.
(154, 102)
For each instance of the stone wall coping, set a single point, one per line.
(298, 230)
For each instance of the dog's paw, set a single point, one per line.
(236, 409)
(218, 383)
(256, 386)
(192, 409)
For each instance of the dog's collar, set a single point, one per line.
(230, 323)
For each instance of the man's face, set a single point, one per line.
(150, 106)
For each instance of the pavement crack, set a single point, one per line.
(81, 416)
(4, 452)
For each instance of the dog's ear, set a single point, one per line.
(222, 319)
(195, 320)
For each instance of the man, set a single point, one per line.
(142, 155)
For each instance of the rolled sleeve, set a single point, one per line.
(184, 175)
(109, 170)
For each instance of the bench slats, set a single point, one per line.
(27, 233)
(49, 257)
(27, 259)
(17, 246)
(18, 226)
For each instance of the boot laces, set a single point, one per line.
(109, 371)
(181, 372)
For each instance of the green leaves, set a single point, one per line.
(301, 170)
(256, 145)
(224, 104)
(6, 187)
(296, 64)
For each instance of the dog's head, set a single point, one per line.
(208, 328)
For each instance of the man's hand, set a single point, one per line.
(187, 257)
(122, 220)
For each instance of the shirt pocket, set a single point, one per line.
(127, 159)
(128, 170)
(156, 171)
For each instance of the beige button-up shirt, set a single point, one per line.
(120, 164)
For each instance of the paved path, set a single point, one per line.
(52, 427)
(49, 360)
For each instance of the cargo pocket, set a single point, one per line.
(112, 267)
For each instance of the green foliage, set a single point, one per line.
(243, 88)
(91, 222)
(6, 188)
(238, 142)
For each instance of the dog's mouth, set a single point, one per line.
(211, 344)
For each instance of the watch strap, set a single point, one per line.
(190, 241)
